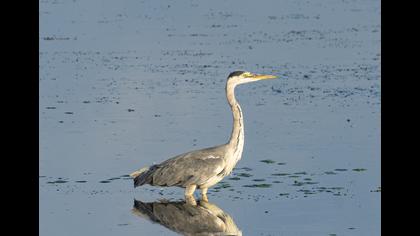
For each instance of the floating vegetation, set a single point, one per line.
(277, 182)
(222, 185)
(306, 191)
(257, 186)
(268, 161)
(297, 183)
(284, 194)
(294, 176)
(330, 173)
(235, 178)
(244, 174)
(258, 180)
(359, 169)
(114, 178)
(281, 163)
(300, 173)
(104, 181)
(340, 169)
(244, 168)
(125, 177)
(57, 182)
(80, 181)
(307, 179)
(378, 190)
(280, 174)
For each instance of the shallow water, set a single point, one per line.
(130, 83)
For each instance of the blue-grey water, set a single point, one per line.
(125, 84)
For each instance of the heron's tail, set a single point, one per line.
(143, 176)
(139, 172)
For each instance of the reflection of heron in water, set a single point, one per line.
(202, 219)
(206, 167)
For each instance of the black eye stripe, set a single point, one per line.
(236, 73)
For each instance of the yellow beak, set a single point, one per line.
(259, 77)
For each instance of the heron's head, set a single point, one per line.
(242, 77)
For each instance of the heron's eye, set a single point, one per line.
(247, 74)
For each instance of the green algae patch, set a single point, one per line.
(378, 190)
(268, 161)
(258, 180)
(114, 178)
(235, 178)
(306, 191)
(330, 173)
(280, 174)
(258, 186)
(222, 185)
(57, 182)
(244, 175)
(297, 183)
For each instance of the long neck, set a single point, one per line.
(236, 141)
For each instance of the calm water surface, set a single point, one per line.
(125, 84)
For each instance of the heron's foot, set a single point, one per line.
(189, 199)
(204, 198)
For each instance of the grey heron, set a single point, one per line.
(203, 218)
(206, 167)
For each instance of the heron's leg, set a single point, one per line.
(204, 194)
(189, 191)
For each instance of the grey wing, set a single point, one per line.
(190, 168)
